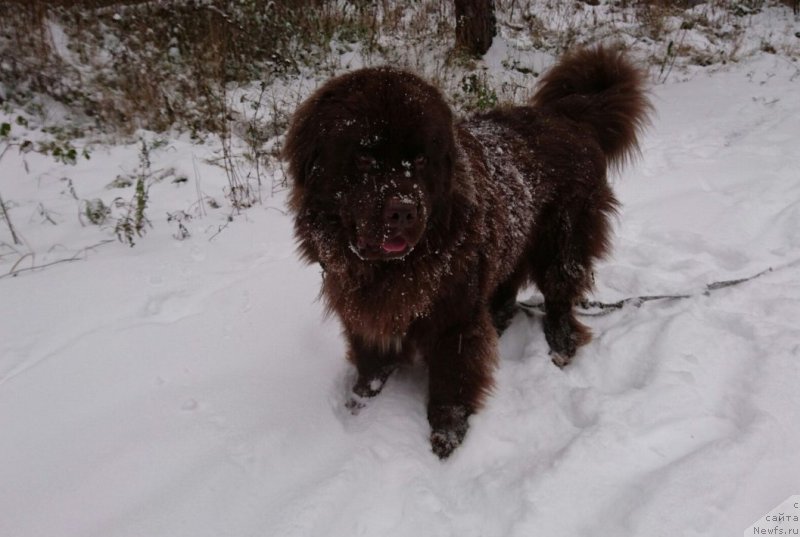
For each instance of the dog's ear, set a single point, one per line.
(302, 146)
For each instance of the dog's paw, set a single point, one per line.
(365, 388)
(564, 335)
(355, 404)
(444, 442)
(369, 387)
(362, 392)
(561, 360)
(449, 425)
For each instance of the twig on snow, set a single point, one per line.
(79, 255)
(7, 218)
(595, 308)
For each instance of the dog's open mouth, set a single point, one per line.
(395, 246)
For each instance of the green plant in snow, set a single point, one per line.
(63, 152)
(134, 222)
(479, 95)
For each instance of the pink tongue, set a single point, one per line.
(398, 244)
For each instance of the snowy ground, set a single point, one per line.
(192, 388)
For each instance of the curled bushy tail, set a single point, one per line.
(603, 89)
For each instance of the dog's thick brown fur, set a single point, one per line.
(427, 225)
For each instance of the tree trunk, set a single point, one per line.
(475, 25)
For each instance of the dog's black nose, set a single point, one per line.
(399, 214)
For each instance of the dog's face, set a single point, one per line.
(384, 203)
(371, 156)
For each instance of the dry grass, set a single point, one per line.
(130, 64)
(155, 65)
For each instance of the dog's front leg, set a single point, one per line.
(461, 361)
(375, 362)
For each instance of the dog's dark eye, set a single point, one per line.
(420, 162)
(365, 162)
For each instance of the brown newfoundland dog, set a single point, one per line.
(426, 225)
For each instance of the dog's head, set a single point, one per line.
(371, 157)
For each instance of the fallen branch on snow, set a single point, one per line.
(79, 255)
(594, 308)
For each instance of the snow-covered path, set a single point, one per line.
(193, 388)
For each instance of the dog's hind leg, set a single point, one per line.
(564, 253)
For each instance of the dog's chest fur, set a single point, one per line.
(499, 204)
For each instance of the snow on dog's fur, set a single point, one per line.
(427, 225)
